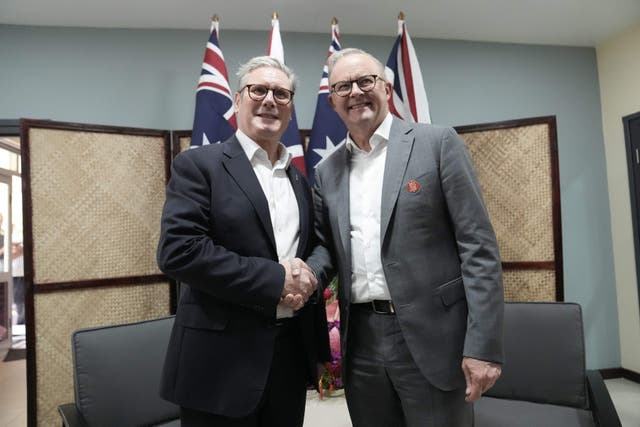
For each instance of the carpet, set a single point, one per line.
(16, 354)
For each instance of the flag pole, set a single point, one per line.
(408, 100)
(214, 117)
(291, 137)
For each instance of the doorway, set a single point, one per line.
(12, 290)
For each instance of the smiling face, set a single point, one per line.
(263, 121)
(362, 112)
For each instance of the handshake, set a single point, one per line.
(300, 283)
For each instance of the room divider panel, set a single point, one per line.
(517, 165)
(92, 200)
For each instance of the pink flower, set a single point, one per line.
(334, 342)
(328, 293)
(333, 312)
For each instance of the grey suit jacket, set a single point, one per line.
(439, 252)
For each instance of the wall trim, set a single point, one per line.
(628, 374)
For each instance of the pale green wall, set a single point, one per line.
(619, 66)
(146, 78)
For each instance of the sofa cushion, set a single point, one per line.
(491, 412)
(117, 374)
(544, 355)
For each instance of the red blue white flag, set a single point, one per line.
(328, 130)
(409, 99)
(214, 119)
(291, 137)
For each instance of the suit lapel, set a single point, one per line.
(338, 194)
(241, 171)
(398, 152)
(341, 183)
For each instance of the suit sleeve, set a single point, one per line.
(187, 252)
(477, 248)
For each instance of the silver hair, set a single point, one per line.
(333, 59)
(262, 62)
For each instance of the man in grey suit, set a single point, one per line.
(400, 216)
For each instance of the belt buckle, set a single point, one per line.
(388, 307)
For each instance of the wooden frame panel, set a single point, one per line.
(517, 163)
(104, 188)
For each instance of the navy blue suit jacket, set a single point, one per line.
(218, 240)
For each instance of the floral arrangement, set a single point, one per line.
(331, 379)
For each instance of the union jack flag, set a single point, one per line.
(409, 99)
(328, 130)
(291, 137)
(214, 119)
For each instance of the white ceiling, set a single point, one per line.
(552, 22)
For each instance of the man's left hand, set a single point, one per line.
(480, 375)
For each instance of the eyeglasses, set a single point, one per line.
(365, 84)
(281, 95)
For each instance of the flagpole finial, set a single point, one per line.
(334, 21)
(215, 18)
(275, 15)
(401, 16)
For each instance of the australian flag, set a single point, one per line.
(214, 120)
(291, 137)
(409, 99)
(328, 130)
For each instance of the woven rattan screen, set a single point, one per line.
(181, 140)
(93, 200)
(517, 167)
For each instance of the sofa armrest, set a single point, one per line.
(604, 413)
(71, 417)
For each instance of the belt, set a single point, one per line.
(378, 306)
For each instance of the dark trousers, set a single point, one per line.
(284, 398)
(383, 385)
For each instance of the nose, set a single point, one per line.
(269, 98)
(354, 88)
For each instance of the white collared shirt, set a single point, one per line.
(283, 205)
(365, 195)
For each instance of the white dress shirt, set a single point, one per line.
(365, 195)
(283, 205)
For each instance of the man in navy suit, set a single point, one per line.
(235, 225)
(400, 217)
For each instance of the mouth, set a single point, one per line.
(270, 116)
(359, 106)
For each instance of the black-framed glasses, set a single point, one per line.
(258, 92)
(365, 84)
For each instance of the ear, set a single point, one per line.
(330, 99)
(236, 102)
(388, 90)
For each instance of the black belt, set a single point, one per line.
(379, 306)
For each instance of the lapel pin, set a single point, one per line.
(413, 186)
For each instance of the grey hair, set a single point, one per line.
(337, 56)
(262, 62)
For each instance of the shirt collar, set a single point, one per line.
(254, 152)
(380, 134)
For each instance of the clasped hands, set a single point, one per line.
(299, 283)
